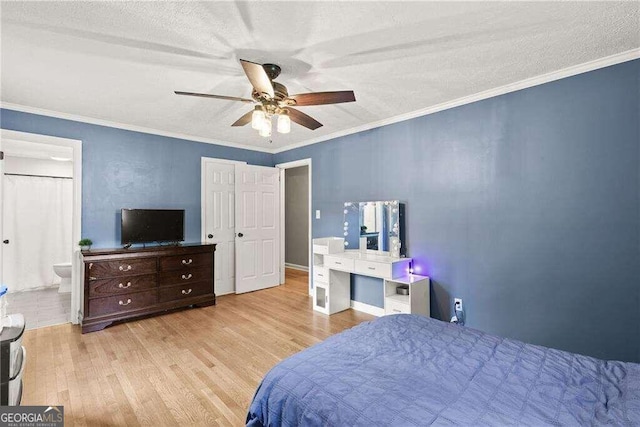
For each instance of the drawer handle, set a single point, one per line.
(186, 292)
(123, 268)
(371, 268)
(395, 310)
(185, 262)
(320, 275)
(187, 277)
(121, 286)
(125, 303)
(339, 263)
(326, 299)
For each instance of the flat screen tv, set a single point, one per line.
(152, 225)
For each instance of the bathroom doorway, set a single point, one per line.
(38, 230)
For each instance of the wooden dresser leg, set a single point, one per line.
(95, 327)
(205, 304)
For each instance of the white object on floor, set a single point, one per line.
(13, 321)
(63, 271)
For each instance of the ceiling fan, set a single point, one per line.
(274, 100)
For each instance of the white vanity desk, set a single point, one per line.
(332, 269)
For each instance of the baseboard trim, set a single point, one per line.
(366, 308)
(296, 267)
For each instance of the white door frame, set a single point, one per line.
(284, 167)
(203, 176)
(77, 289)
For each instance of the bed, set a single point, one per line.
(405, 370)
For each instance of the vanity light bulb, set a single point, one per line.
(395, 210)
(346, 243)
(346, 234)
(346, 211)
(346, 224)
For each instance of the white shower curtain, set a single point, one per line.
(37, 223)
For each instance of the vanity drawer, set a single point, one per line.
(121, 303)
(186, 261)
(396, 307)
(338, 263)
(188, 290)
(370, 268)
(125, 267)
(184, 277)
(121, 285)
(320, 274)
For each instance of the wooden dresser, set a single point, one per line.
(120, 284)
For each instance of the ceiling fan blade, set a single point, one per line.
(207, 95)
(258, 77)
(303, 119)
(320, 98)
(246, 119)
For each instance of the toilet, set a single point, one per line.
(63, 270)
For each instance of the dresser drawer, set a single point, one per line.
(180, 262)
(370, 268)
(121, 303)
(121, 285)
(396, 307)
(338, 263)
(320, 274)
(188, 290)
(185, 276)
(125, 267)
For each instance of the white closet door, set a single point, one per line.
(257, 227)
(218, 222)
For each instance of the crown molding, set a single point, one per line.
(607, 61)
(125, 126)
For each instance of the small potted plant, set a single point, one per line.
(85, 244)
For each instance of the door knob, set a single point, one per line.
(240, 234)
(6, 242)
(210, 236)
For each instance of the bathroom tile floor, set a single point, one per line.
(40, 308)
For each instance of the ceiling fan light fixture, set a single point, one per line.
(258, 118)
(284, 122)
(265, 129)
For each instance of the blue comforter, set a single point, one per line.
(407, 370)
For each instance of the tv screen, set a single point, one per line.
(152, 225)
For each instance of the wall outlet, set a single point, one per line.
(457, 303)
(317, 213)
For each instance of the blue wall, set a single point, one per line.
(125, 169)
(526, 205)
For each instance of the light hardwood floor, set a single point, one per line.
(193, 367)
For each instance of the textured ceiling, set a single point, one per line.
(121, 61)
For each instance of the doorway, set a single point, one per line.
(40, 224)
(296, 202)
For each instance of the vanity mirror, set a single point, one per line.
(375, 227)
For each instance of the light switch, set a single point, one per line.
(317, 213)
